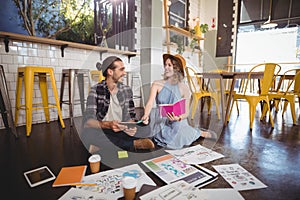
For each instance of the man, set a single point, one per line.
(110, 102)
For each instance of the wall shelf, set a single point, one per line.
(63, 44)
(183, 32)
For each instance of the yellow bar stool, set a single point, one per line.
(97, 76)
(71, 75)
(27, 74)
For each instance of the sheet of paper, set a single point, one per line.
(109, 182)
(221, 193)
(238, 177)
(195, 155)
(75, 193)
(180, 190)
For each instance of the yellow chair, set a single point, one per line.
(96, 75)
(288, 90)
(198, 91)
(27, 74)
(255, 91)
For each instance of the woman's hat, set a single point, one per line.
(181, 61)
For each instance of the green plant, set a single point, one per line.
(193, 44)
(81, 32)
(48, 18)
(194, 41)
(204, 28)
(179, 40)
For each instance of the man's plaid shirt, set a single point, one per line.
(99, 99)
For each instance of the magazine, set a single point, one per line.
(170, 169)
(178, 108)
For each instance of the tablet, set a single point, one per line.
(39, 176)
(132, 124)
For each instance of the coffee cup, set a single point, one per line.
(129, 187)
(94, 161)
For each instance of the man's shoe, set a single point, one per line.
(143, 144)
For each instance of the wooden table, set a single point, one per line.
(282, 78)
(228, 75)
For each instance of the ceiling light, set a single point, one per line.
(269, 24)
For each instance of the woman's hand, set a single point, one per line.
(145, 119)
(173, 118)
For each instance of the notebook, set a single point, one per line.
(178, 108)
(70, 175)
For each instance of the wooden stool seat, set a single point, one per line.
(27, 74)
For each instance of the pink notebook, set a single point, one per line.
(178, 108)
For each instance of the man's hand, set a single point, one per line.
(130, 131)
(116, 127)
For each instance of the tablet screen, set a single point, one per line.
(38, 176)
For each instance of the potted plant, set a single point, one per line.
(194, 41)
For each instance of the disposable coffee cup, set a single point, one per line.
(94, 161)
(129, 186)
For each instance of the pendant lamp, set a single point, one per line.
(269, 23)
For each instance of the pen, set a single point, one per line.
(84, 184)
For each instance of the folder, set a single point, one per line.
(70, 176)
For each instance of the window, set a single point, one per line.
(178, 13)
(115, 20)
(257, 45)
(178, 16)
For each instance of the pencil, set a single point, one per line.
(84, 184)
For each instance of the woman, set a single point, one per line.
(172, 131)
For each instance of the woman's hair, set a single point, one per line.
(178, 70)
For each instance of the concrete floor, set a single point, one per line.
(271, 155)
